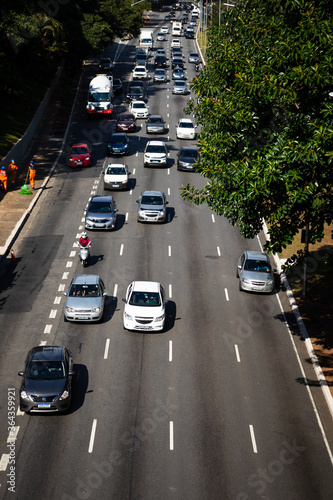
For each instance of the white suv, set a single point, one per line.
(155, 154)
(144, 306)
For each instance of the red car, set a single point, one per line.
(79, 156)
(126, 122)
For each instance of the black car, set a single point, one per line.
(117, 86)
(135, 94)
(47, 380)
(187, 157)
(105, 64)
(160, 62)
(189, 34)
(177, 61)
(118, 144)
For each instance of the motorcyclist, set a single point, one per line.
(84, 240)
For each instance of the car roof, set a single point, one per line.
(146, 286)
(152, 193)
(84, 279)
(180, 82)
(124, 115)
(118, 134)
(80, 145)
(188, 148)
(155, 116)
(48, 352)
(253, 254)
(115, 165)
(140, 67)
(156, 143)
(141, 102)
(101, 197)
(185, 120)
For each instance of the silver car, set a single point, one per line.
(254, 272)
(179, 87)
(101, 213)
(160, 75)
(85, 299)
(155, 125)
(152, 206)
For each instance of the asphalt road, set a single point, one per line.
(215, 407)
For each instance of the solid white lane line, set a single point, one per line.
(92, 436)
(237, 353)
(213, 218)
(106, 350)
(169, 250)
(57, 300)
(61, 287)
(115, 291)
(171, 435)
(13, 434)
(126, 217)
(253, 439)
(121, 249)
(170, 350)
(226, 294)
(69, 263)
(170, 291)
(218, 251)
(65, 276)
(47, 328)
(53, 313)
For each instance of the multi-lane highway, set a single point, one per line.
(222, 405)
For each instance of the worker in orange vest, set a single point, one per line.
(12, 171)
(3, 178)
(32, 174)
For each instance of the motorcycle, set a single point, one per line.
(84, 253)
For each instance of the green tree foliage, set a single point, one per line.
(267, 118)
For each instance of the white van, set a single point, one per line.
(176, 29)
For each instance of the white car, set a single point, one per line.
(175, 42)
(139, 109)
(144, 306)
(116, 176)
(165, 29)
(155, 154)
(160, 36)
(140, 72)
(185, 129)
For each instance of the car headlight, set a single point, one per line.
(270, 282)
(96, 309)
(160, 318)
(25, 395)
(64, 395)
(128, 316)
(70, 309)
(245, 280)
(87, 158)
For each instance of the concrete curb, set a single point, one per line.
(308, 343)
(14, 234)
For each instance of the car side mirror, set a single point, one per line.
(124, 300)
(115, 209)
(104, 294)
(65, 293)
(239, 266)
(85, 209)
(71, 373)
(138, 201)
(167, 203)
(21, 374)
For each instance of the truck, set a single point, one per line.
(100, 95)
(176, 29)
(147, 39)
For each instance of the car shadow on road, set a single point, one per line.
(79, 387)
(170, 315)
(110, 308)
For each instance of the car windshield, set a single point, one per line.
(100, 207)
(129, 118)
(46, 370)
(99, 97)
(116, 171)
(116, 139)
(155, 149)
(155, 120)
(185, 125)
(86, 291)
(151, 200)
(180, 83)
(160, 72)
(150, 299)
(194, 54)
(189, 153)
(259, 266)
(79, 151)
(139, 105)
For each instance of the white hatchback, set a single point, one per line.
(116, 176)
(144, 306)
(175, 42)
(140, 72)
(139, 109)
(165, 29)
(185, 129)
